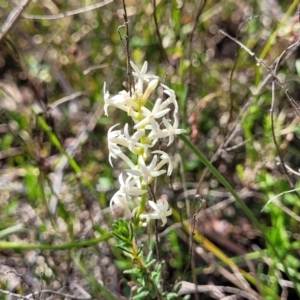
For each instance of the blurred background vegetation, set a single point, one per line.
(53, 209)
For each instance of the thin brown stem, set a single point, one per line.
(269, 69)
(129, 69)
(191, 37)
(274, 137)
(164, 54)
(232, 72)
(156, 227)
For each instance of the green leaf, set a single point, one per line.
(11, 230)
(172, 296)
(11, 206)
(141, 295)
(125, 249)
(149, 256)
(297, 64)
(135, 271)
(150, 263)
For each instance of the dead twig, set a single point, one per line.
(272, 199)
(68, 13)
(283, 54)
(272, 73)
(66, 99)
(32, 295)
(95, 67)
(189, 288)
(12, 18)
(269, 69)
(274, 137)
(127, 48)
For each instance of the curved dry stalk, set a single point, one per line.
(189, 288)
(68, 13)
(31, 296)
(12, 18)
(71, 97)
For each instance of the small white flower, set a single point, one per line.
(130, 142)
(114, 150)
(141, 75)
(106, 98)
(165, 159)
(150, 88)
(161, 211)
(169, 131)
(146, 172)
(133, 140)
(120, 201)
(155, 130)
(130, 187)
(171, 99)
(150, 116)
(122, 101)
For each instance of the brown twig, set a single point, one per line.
(272, 73)
(269, 69)
(156, 227)
(192, 253)
(242, 113)
(283, 54)
(129, 69)
(158, 35)
(191, 240)
(274, 137)
(191, 36)
(232, 72)
(193, 220)
(275, 79)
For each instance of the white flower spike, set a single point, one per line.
(150, 125)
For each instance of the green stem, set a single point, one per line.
(141, 208)
(275, 33)
(86, 243)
